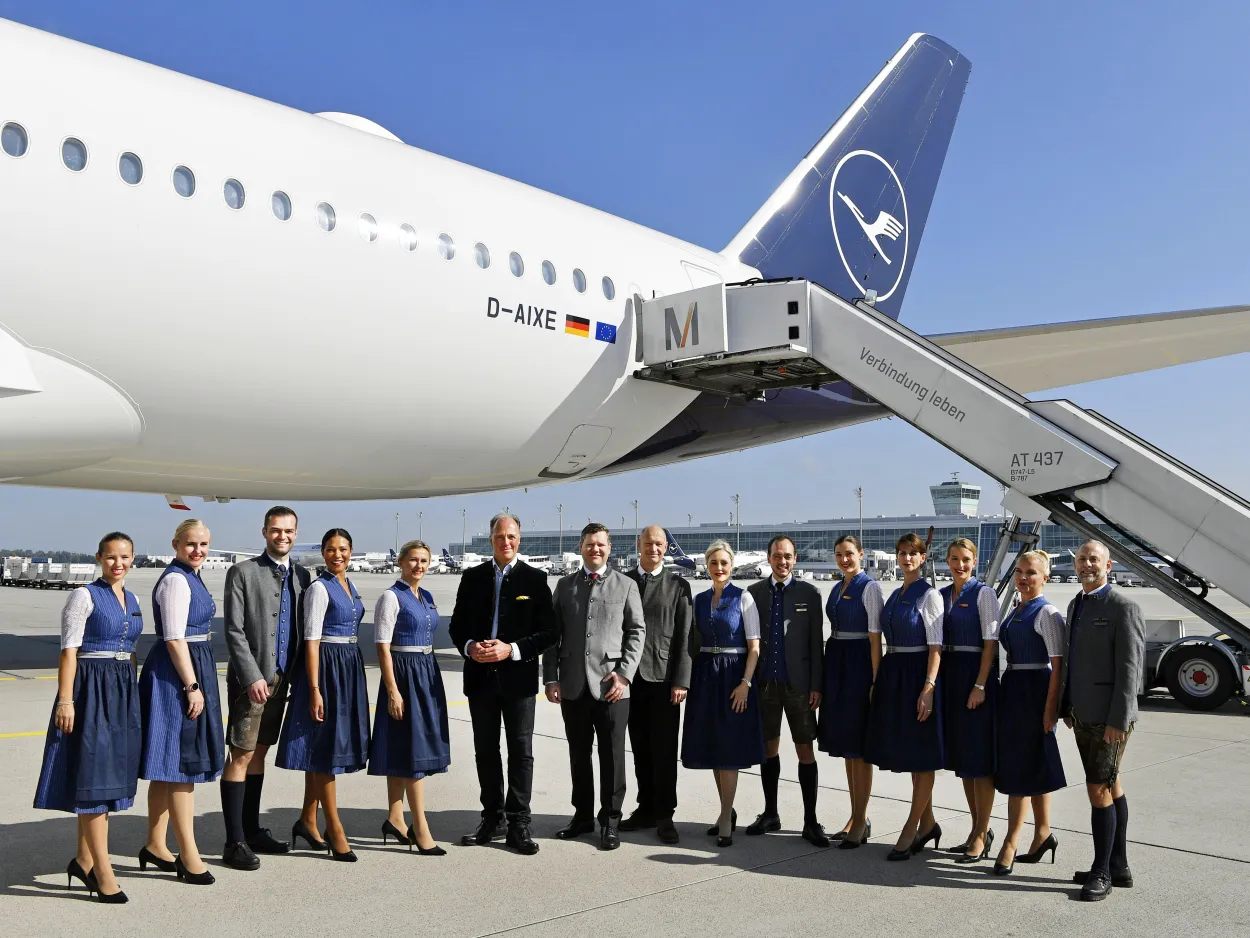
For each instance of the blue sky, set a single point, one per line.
(1098, 169)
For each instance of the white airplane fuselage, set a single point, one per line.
(133, 303)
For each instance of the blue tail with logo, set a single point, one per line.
(676, 555)
(851, 214)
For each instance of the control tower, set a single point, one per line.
(955, 499)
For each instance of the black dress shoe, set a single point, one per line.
(113, 898)
(239, 856)
(1050, 844)
(849, 843)
(520, 840)
(146, 856)
(195, 879)
(609, 839)
(934, 834)
(489, 829)
(1097, 887)
(714, 830)
(895, 855)
(75, 871)
(300, 829)
(815, 835)
(639, 820)
(390, 830)
(262, 841)
(724, 841)
(764, 823)
(575, 828)
(1120, 879)
(665, 830)
(966, 857)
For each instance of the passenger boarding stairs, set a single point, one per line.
(1056, 460)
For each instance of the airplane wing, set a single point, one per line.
(1036, 358)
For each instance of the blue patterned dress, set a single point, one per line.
(95, 768)
(340, 742)
(175, 747)
(848, 671)
(969, 736)
(418, 744)
(714, 736)
(1028, 758)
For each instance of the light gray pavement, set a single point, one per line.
(1184, 773)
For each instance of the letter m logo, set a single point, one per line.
(684, 334)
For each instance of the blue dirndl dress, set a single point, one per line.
(340, 743)
(1028, 759)
(175, 747)
(418, 744)
(95, 768)
(898, 741)
(970, 738)
(714, 736)
(848, 671)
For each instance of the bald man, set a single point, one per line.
(1099, 681)
(659, 686)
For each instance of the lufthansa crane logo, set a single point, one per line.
(868, 211)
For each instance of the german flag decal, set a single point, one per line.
(575, 325)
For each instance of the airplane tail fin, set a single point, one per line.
(851, 214)
(676, 554)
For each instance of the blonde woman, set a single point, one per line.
(183, 741)
(724, 731)
(1035, 637)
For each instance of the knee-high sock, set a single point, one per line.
(809, 782)
(770, 774)
(1119, 851)
(1102, 823)
(232, 810)
(251, 803)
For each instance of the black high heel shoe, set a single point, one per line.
(724, 841)
(390, 830)
(714, 830)
(300, 829)
(934, 834)
(146, 856)
(112, 898)
(983, 855)
(1004, 869)
(435, 851)
(348, 856)
(1049, 844)
(195, 879)
(75, 871)
(848, 844)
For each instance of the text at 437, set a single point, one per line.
(1043, 458)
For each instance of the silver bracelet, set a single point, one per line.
(65, 703)
(746, 682)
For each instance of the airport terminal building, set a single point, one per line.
(955, 515)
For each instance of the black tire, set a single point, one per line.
(1199, 676)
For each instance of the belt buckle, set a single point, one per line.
(120, 655)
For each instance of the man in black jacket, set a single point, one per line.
(659, 686)
(502, 624)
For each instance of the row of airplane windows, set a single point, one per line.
(15, 142)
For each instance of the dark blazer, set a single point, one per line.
(525, 620)
(668, 610)
(1107, 654)
(252, 601)
(803, 627)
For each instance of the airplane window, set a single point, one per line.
(368, 227)
(515, 264)
(14, 140)
(446, 247)
(579, 281)
(481, 255)
(407, 237)
(130, 168)
(549, 272)
(281, 204)
(325, 216)
(184, 181)
(74, 154)
(233, 193)
(609, 288)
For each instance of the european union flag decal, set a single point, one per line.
(605, 332)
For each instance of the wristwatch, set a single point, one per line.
(980, 687)
(746, 682)
(194, 686)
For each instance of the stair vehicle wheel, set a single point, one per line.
(1199, 676)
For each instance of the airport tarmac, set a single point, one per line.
(1183, 773)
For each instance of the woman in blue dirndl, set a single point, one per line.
(970, 691)
(904, 729)
(723, 731)
(851, 659)
(183, 741)
(1029, 768)
(326, 731)
(91, 753)
(410, 733)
